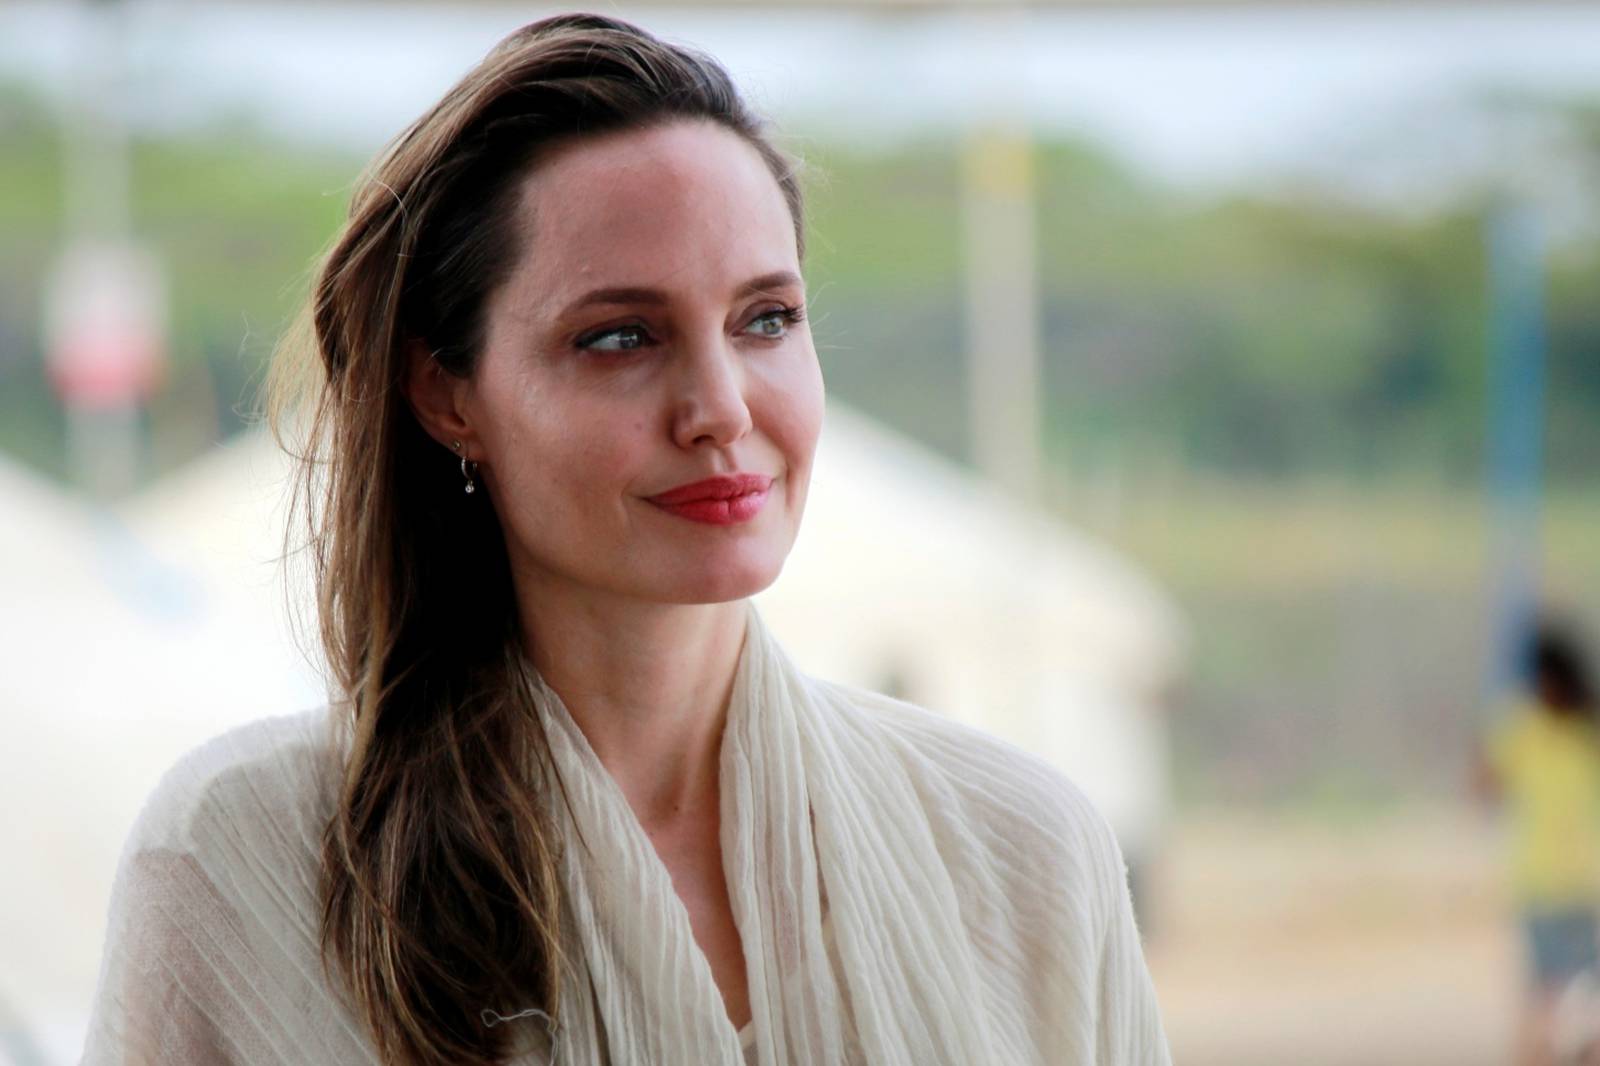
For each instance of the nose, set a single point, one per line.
(710, 406)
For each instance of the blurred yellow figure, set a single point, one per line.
(1550, 766)
(1543, 760)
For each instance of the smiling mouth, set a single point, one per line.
(718, 501)
(721, 487)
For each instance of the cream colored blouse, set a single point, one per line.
(976, 905)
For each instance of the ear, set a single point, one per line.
(436, 396)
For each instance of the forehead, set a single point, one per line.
(675, 206)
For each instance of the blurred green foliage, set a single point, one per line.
(1275, 402)
(1267, 337)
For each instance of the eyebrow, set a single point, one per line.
(765, 283)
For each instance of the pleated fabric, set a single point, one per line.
(978, 905)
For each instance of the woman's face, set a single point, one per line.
(646, 340)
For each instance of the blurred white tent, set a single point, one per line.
(135, 635)
(957, 598)
(123, 649)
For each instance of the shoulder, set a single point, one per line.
(213, 917)
(1516, 729)
(272, 779)
(1011, 784)
(228, 841)
(1021, 812)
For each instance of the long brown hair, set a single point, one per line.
(440, 878)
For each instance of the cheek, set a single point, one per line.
(566, 495)
(581, 457)
(799, 409)
(536, 442)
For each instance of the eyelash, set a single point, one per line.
(791, 316)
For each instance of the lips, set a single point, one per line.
(718, 501)
(724, 487)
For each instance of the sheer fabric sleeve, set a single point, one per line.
(176, 980)
(212, 949)
(1129, 1029)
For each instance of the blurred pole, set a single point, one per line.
(1515, 243)
(97, 183)
(1001, 267)
(105, 297)
(1000, 260)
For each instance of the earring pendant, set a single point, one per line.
(468, 467)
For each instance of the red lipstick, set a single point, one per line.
(720, 501)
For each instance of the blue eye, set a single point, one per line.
(619, 339)
(771, 325)
(774, 325)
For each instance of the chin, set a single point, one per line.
(735, 580)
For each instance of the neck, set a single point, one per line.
(647, 683)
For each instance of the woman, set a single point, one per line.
(572, 803)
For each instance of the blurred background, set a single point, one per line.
(1223, 380)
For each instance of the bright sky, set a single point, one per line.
(1194, 95)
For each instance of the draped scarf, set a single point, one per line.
(806, 793)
